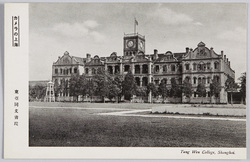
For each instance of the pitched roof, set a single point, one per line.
(79, 59)
(179, 55)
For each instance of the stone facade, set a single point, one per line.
(196, 65)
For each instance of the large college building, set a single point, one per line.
(200, 64)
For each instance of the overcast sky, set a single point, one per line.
(98, 29)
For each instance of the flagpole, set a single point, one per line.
(134, 27)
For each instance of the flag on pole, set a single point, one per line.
(136, 22)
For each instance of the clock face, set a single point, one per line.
(130, 43)
(141, 45)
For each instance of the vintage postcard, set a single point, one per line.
(125, 81)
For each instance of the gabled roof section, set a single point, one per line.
(66, 59)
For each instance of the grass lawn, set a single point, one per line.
(83, 127)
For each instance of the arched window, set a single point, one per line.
(157, 68)
(137, 69)
(75, 70)
(126, 68)
(144, 69)
(144, 81)
(137, 80)
(110, 69)
(187, 79)
(216, 65)
(86, 71)
(195, 80)
(117, 69)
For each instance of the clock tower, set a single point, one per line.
(133, 44)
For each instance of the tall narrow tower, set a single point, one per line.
(133, 44)
(50, 95)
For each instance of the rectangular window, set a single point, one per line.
(194, 66)
(164, 68)
(199, 67)
(172, 67)
(208, 94)
(187, 66)
(208, 65)
(56, 71)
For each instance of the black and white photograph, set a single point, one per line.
(136, 75)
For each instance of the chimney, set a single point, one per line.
(155, 53)
(88, 56)
(229, 63)
(187, 49)
(191, 49)
(225, 58)
(222, 53)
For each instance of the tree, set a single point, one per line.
(74, 86)
(115, 88)
(63, 86)
(152, 88)
(187, 89)
(215, 88)
(231, 87)
(90, 88)
(201, 90)
(141, 91)
(83, 85)
(129, 86)
(175, 90)
(243, 86)
(37, 92)
(101, 84)
(57, 88)
(162, 90)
